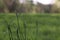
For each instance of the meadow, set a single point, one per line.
(30, 27)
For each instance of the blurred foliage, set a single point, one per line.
(1, 3)
(32, 27)
(55, 9)
(28, 7)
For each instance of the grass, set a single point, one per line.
(32, 27)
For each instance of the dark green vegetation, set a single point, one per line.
(29, 27)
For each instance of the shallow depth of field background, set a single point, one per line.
(28, 21)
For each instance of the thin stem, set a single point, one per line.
(25, 29)
(18, 28)
(36, 30)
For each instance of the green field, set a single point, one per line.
(30, 27)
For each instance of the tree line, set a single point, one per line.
(11, 6)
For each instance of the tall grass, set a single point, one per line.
(9, 29)
(30, 27)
